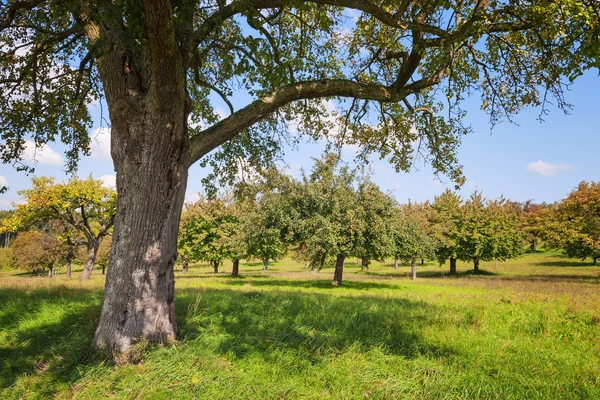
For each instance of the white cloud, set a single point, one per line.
(547, 169)
(41, 155)
(100, 143)
(109, 181)
(3, 181)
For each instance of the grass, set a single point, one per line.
(527, 329)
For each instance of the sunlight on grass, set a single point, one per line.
(528, 329)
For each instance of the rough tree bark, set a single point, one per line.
(452, 266)
(476, 265)
(413, 269)
(215, 265)
(235, 270)
(339, 270)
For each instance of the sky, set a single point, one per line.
(529, 160)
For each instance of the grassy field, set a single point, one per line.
(525, 329)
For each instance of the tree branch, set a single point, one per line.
(216, 135)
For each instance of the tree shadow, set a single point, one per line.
(434, 274)
(320, 284)
(47, 334)
(567, 263)
(554, 278)
(264, 324)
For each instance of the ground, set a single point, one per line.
(525, 329)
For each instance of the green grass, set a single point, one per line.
(527, 329)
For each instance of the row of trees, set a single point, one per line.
(330, 214)
(335, 212)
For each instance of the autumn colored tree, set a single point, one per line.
(155, 62)
(35, 251)
(82, 205)
(576, 228)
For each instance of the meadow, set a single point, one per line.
(523, 329)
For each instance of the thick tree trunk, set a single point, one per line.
(235, 270)
(151, 156)
(395, 263)
(414, 269)
(50, 270)
(265, 265)
(339, 270)
(532, 245)
(103, 269)
(93, 246)
(452, 266)
(422, 261)
(476, 265)
(215, 265)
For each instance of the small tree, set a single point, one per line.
(204, 232)
(447, 220)
(325, 213)
(376, 213)
(35, 251)
(576, 229)
(411, 239)
(85, 206)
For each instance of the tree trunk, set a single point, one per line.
(215, 265)
(69, 262)
(422, 261)
(93, 246)
(235, 271)
(339, 270)
(476, 265)
(395, 263)
(151, 156)
(595, 260)
(532, 245)
(186, 264)
(414, 269)
(364, 264)
(103, 269)
(50, 270)
(265, 265)
(452, 266)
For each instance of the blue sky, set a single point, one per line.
(531, 160)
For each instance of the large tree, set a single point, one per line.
(155, 62)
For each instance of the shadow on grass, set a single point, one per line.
(433, 274)
(318, 284)
(310, 325)
(46, 336)
(566, 263)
